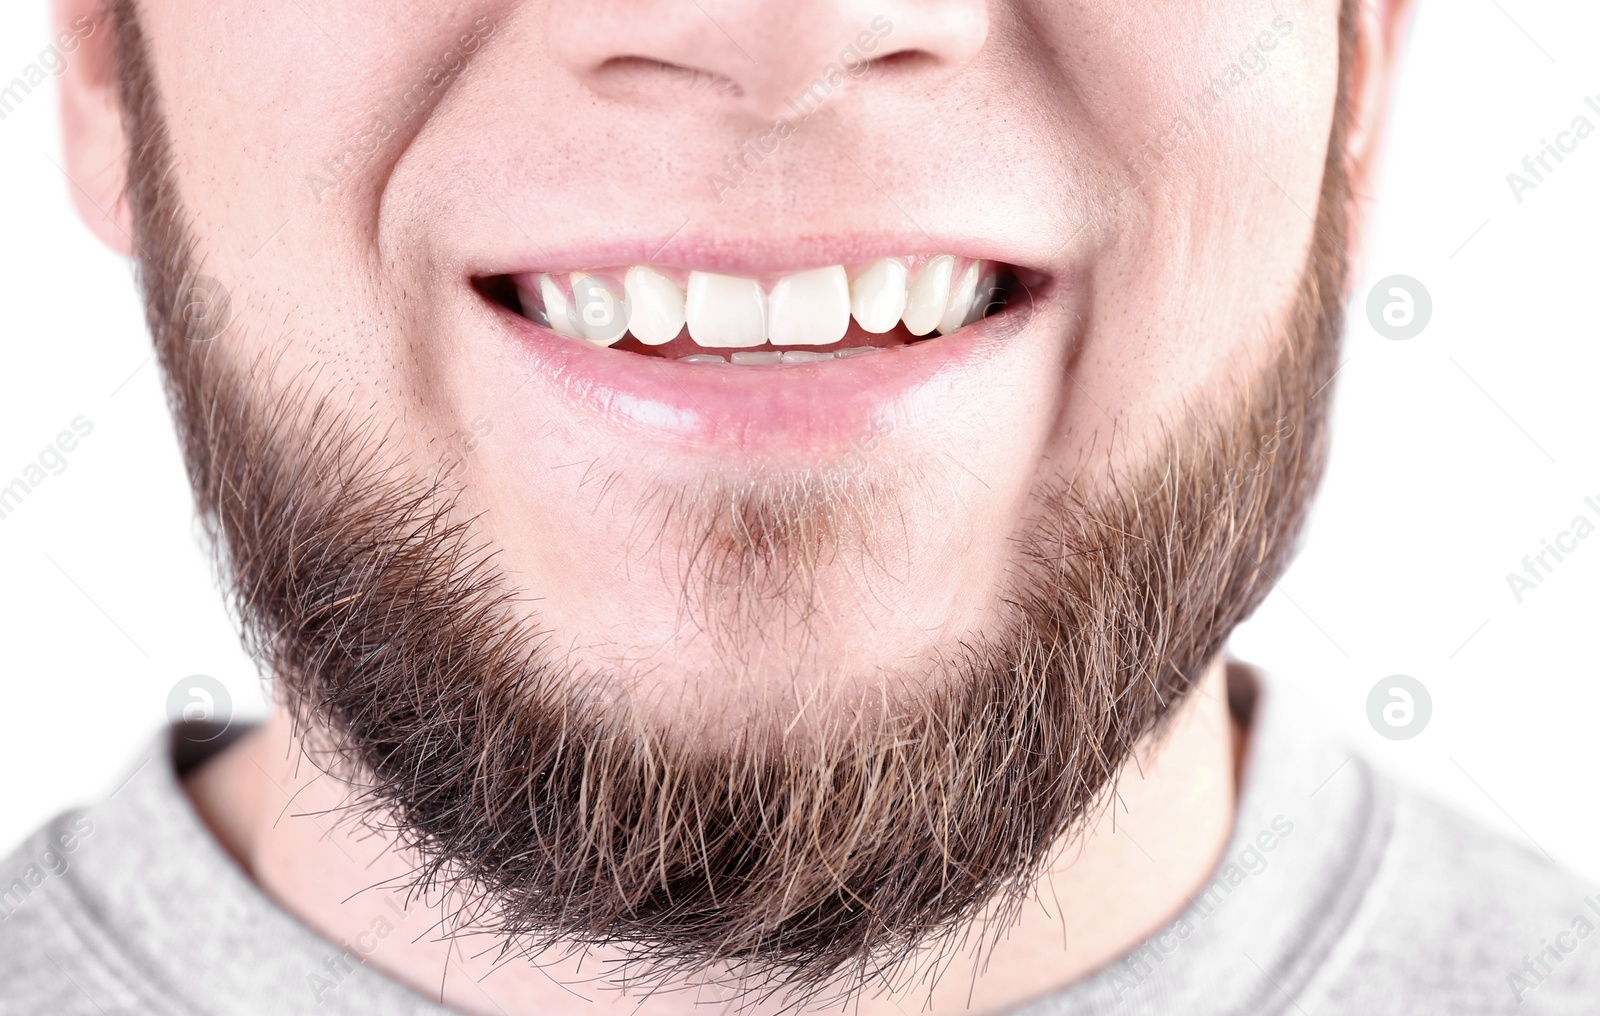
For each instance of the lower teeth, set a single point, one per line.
(769, 357)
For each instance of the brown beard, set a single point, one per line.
(556, 818)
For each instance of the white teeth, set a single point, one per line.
(555, 308)
(598, 311)
(929, 295)
(724, 311)
(962, 293)
(765, 356)
(655, 305)
(809, 308)
(772, 357)
(878, 295)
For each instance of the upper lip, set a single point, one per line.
(746, 257)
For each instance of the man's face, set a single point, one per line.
(698, 656)
(359, 175)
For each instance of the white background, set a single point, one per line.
(1455, 454)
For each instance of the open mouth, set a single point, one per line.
(834, 312)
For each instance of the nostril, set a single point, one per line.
(633, 74)
(905, 61)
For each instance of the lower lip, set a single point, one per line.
(784, 410)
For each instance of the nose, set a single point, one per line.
(758, 56)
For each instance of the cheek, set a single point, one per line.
(285, 123)
(1214, 169)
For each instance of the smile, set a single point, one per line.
(809, 316)
(787, 365)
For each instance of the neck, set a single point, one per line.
(1121, 879)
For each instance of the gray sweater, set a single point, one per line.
(1340, 894)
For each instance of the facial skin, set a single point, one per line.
(1014, 149)
(815, 558)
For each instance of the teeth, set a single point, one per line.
(962, 293)
(929, 295)
(555, 307)
(599, 313)
(809, 308)
(532, 301)
(765, 356)
(655, 305)
(724, 311)
(983, 295)
(878, 296)
(988, 289)
(770, 357)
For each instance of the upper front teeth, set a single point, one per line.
(725, 311)
(809, 308)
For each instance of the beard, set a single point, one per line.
(555, 816)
